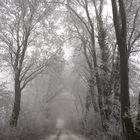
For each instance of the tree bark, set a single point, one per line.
(104, 77)
(115, 81)
(125, 100)
(137, 128)
(92, 94)
(98, 82)
(121, 35)
(16, 107)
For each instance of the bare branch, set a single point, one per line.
(130, 45)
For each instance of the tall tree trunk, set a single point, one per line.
(121, 35)
(115, 81)
(137, 128)
(125, 100)
(105, 76)
(16, 107)
(95, 64)
(98, 82)
(92, 94)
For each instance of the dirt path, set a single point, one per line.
(64, 135)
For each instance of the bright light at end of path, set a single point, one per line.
(60, 123)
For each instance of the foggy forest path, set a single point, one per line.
(64, 135)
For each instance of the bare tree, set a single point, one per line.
(19, 35)
(86, 33)
(121, 35)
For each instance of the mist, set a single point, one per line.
(69, 70)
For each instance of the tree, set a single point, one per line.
(20, 40)
(105, 55)
(84, 28)
(87, 27)
(120, 25)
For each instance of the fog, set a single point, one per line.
(69, 70)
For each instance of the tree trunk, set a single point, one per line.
(125, 100)
(121, 35)
(92, 93)
(98, 82)
(137, 128)
(16, 107)
(105, 77)
(115, 81)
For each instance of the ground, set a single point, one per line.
(64, 135)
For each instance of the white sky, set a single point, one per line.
(107, 8)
